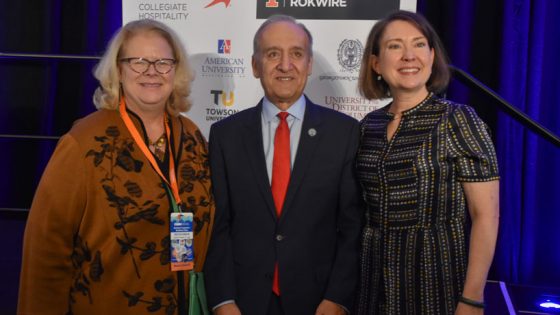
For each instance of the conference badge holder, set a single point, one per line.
(181, 236)
(180, 224)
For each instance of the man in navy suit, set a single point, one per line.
(292, 250)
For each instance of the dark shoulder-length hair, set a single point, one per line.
(371, 88)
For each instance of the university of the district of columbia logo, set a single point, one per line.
(350, 54)
(214, 2)
(224, 46)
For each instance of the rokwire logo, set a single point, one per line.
(222, 96)
(271, 4)
(327, 9)
(224, 46)
(214, 2)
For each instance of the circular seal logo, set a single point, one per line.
(350, 54)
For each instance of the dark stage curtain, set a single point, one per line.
(529, 250)
(44, 96)
(513, 46)
(41, 97)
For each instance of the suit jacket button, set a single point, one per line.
(279, 237)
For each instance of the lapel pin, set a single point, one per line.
(312, 132)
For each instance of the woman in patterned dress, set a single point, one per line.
(424, 163)
(97, 239)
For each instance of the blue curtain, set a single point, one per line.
(45, 96)
(529, 244)
(41, 97)
(513, 46)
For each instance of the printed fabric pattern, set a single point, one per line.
(414, 254)
(97, 240)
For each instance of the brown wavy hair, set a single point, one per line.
(371, 88)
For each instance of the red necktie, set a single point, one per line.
(280, 175)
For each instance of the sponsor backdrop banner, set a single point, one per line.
(218, 35)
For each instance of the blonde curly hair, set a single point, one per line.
(107, 95)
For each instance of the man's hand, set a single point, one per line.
(329, 308)
(227, 309)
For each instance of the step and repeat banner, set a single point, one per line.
(218, 35)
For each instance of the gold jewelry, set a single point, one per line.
(159, 141)
(158, 146)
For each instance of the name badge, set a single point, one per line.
(182, 247)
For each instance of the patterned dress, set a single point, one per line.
(97, 236)
(414, 253)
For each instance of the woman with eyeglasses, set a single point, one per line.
(99, 234)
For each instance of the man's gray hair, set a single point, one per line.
(275, 19)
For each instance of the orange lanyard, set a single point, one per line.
(140, 142)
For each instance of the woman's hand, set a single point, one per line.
(464, 309)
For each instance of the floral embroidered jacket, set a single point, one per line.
(97, 237)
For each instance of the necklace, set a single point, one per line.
(158, 147)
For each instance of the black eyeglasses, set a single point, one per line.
(141, 65)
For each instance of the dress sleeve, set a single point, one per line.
(471, 147)
(53, 222)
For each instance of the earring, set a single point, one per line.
(379, 78)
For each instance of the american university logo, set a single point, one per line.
(350, 54)
(222, 66)
(224, 46)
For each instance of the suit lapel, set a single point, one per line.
(309, 138)
(253, 141)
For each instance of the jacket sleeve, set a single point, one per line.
(218, 269)
(48, 250)
(344, 275)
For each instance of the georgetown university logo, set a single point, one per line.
(350, 54)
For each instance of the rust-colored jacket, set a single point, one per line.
(97, 237)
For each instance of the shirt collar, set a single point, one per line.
(270, 110)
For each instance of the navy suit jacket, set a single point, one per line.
(316, 239)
